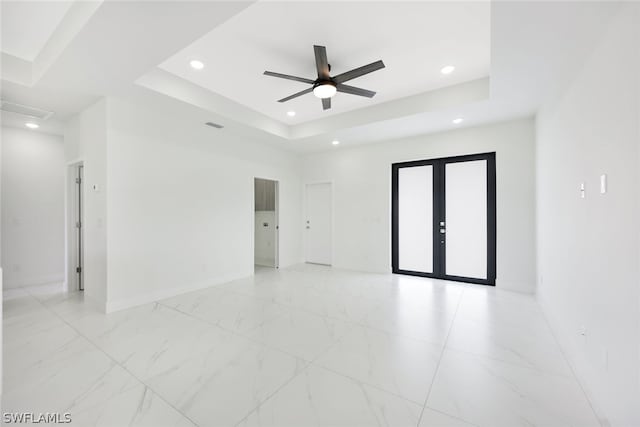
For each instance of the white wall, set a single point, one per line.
(181, 204)
(588, 249)
(361, 179)
(32, 207)
(85, 140)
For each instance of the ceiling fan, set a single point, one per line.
(325, 86)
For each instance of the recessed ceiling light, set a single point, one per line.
(291, 113)
(196, 65)
(457, 121)
(448, 69)
(335, 142)
(32, 125)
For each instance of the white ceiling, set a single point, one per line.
(414, 39)
(27, 25)
(534, 48)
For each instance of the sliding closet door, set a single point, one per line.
(415, 218)
(444, 218)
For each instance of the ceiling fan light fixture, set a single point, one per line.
(325, 90)
(326, 86)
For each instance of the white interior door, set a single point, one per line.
(318, 225)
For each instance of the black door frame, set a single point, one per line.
(439, 214)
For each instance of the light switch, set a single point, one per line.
(603, 183)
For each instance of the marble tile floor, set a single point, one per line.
(302, 346)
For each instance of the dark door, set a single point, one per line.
(444, 218)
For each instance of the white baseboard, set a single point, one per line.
(381, 270)
(124, 303)
(516, 286)
(34, 281)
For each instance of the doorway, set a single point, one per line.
(444, 218)
(318, 226)
(266, 228)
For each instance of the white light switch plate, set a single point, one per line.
(603, 183)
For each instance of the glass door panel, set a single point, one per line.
(466, 219)
(415, 225)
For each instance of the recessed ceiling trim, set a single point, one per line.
(28, 73)
(15, 70)
(439, 99)
(25, 110)
(74, 20)
(176, 87)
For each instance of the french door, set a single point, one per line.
(444, 218)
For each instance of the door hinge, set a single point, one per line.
(78, 180)
(78, 269)
(78, 224)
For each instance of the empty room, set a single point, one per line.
(320, 213)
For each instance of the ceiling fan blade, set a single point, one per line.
(288, 77)
(357, 72)
(326, 103)
(352, 90)
(295, 95)
(322, 64)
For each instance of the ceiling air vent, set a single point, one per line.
(214, 125)
(25, 110)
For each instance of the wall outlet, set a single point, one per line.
(582, 190)
(583, 330)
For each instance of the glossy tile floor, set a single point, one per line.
(304, 346)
